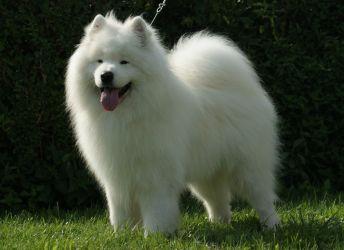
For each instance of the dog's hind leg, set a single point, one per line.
(215, 195)
(256, 185)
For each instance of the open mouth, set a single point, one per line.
(110, 97)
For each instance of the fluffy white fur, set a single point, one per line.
(195, 117)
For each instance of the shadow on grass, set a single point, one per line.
(293, 233)
(303, 225)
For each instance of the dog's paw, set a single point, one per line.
(271, 223)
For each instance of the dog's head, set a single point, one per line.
(115, 57)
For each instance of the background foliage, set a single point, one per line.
(297, 47)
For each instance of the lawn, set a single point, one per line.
(310, 222)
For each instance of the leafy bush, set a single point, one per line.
(297, 48)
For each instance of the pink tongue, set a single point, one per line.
(109, 99)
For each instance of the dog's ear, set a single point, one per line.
(97, 24)
(141, 29)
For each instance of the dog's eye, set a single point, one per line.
(123, 62)
(100, 61)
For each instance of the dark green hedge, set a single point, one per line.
(297, 47)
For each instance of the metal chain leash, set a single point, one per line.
(158, 10)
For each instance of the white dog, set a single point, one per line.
(195, 117)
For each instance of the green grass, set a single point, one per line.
(315, 222)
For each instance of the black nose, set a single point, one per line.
(107, 77)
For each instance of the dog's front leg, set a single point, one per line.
(121, 211)
(160, 211)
